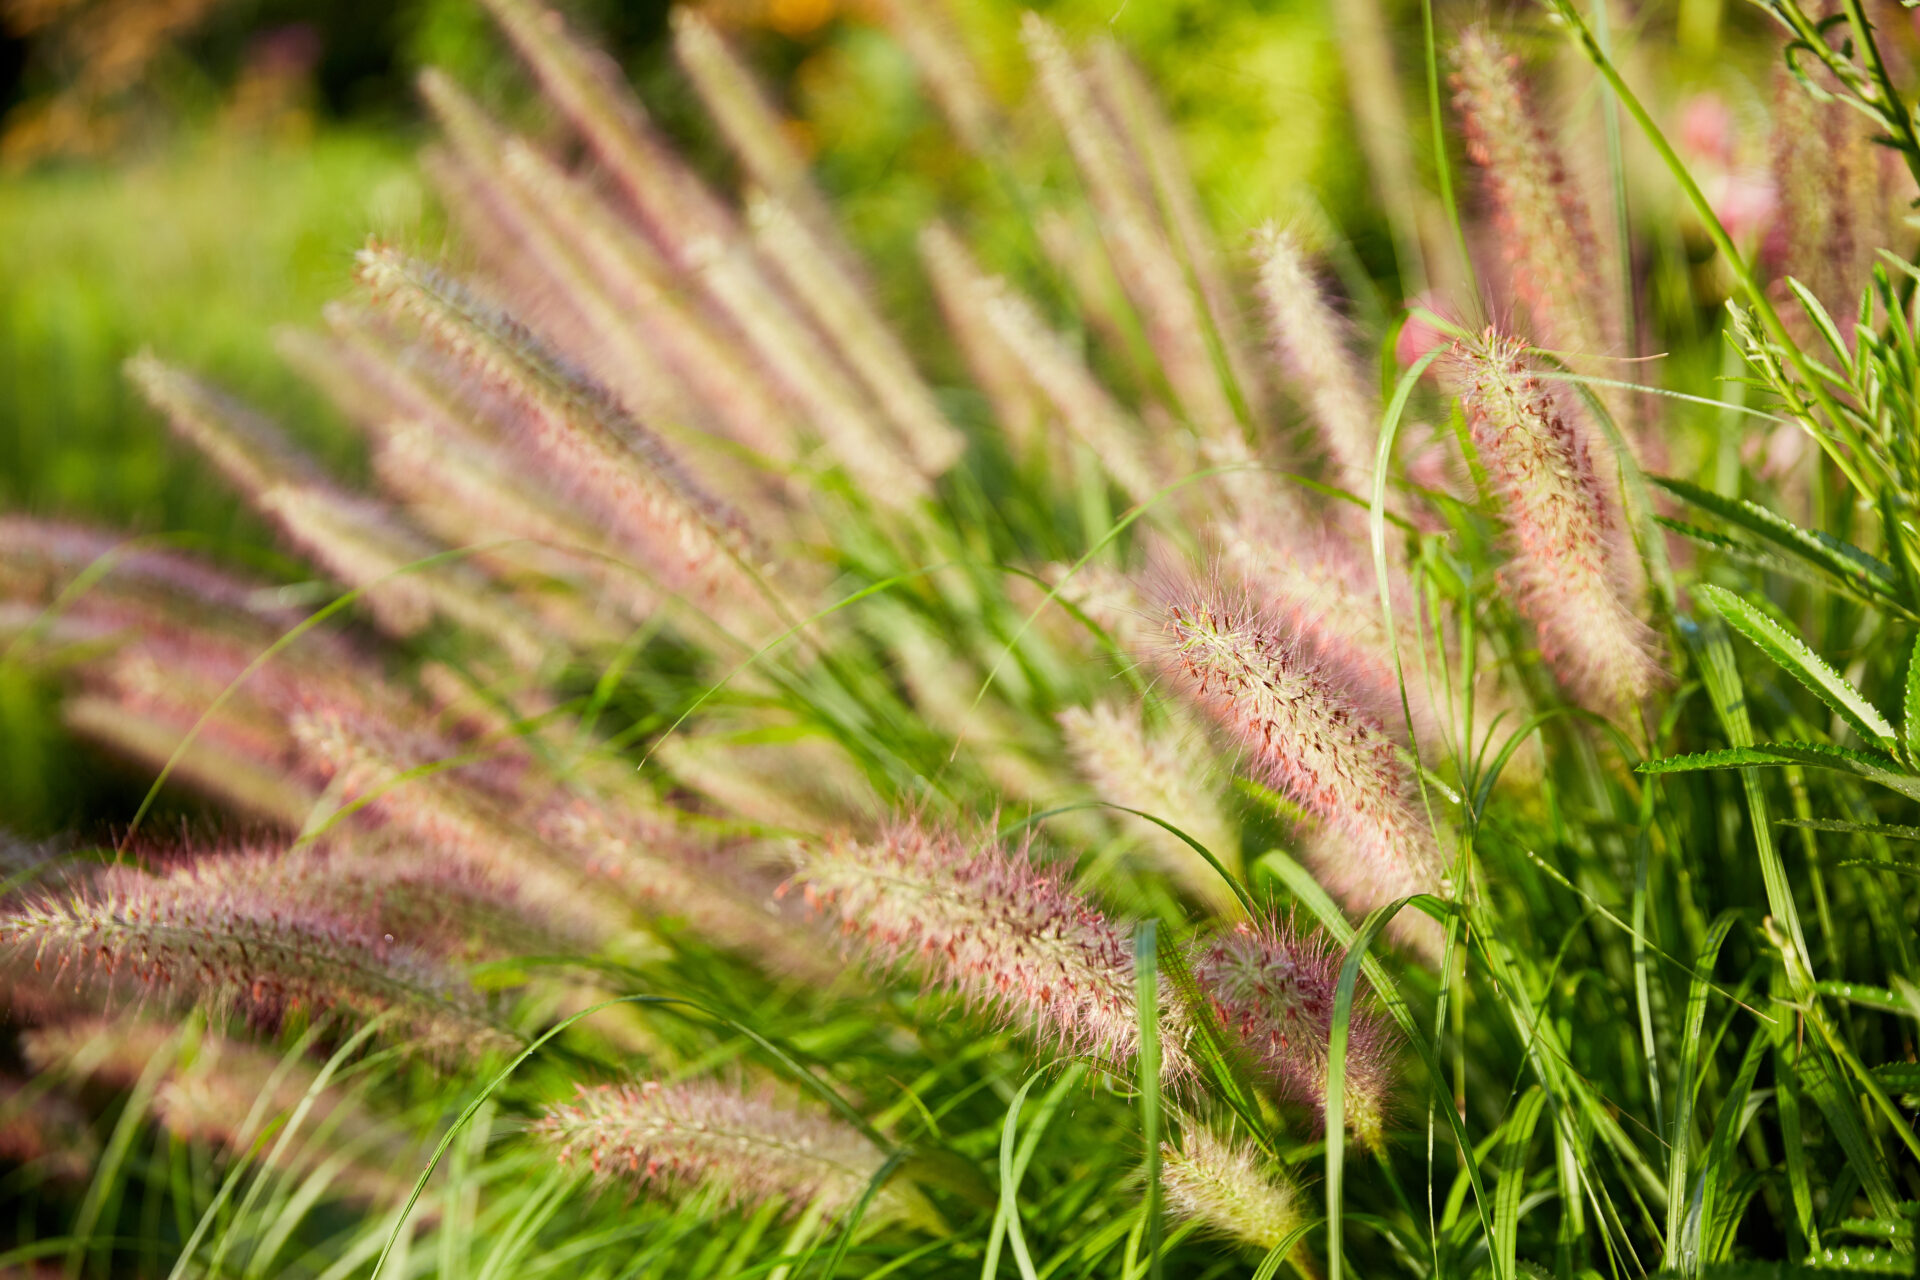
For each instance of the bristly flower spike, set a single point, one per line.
(1308, 733)
(1571, 556)
(1228, 1187)
(360, 540)
(1273, 989)
(1155, 774)
(962, 288)
(1086, 408)
(1547, 231)
(1008, 934)
(1119, 189)
(1307, 332)
(746, 1148)
(193, 933)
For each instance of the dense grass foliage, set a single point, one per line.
(1136, 778)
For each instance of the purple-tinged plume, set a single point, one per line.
(195, 932)
(361, 541)
(1306, 731)
(1309, 336)
(744, 1147)
(690, 540)
(1546, 229)
(1120, 189)
(1273, 989)
(1571, 557)
(1008, 934)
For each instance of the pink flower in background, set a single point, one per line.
(1707, 127)
(1742, 196)
(1419, 335)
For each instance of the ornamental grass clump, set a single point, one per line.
(972, 695)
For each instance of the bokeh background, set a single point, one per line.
(192, 175)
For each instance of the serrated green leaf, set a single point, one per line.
(1881, 1228)
(1898, 1077)
(1863, 1261)
(1794, 656)
(1889, 830)
(1811, 1270)
(1910, 712)
(1874, 766)
(1864, 995)
(1860, 568)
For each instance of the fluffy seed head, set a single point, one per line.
(1306, 733)
(690, 540)
(1274, 989)
(1307, 333)
(707, 1136)
(1156, 774)
(987, 921)
(1547, 233)
(1228, 1187)
(1569, 551)
(1086, 408)
(190, 932)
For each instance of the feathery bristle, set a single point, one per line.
(1308, 334)
(1087, 408)
(1547, 231)
(1129, 223)
(928, 32)
(745, 1148)
(190, 932)
(1123, 87)
(694, 543)
(1126, 765)
(394, 776)
(1008, 934)
(361, 541)
(859, 335)
(1228, 1187)
(1273, 989)
(1570, 545)
(962, 288)
(1303, 731)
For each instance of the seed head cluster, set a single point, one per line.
(1546, 230)
(1006, 933)
(195, 932)
(1229, 1188)
(1302, 731)
(1569, 545)
(701, 1135)
(1273, 989)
